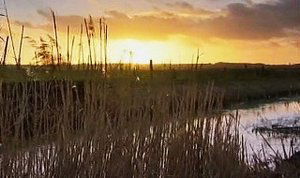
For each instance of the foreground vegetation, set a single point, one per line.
(68, 122)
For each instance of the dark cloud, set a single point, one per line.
(261, 21)
(44, 13)
(183, 5)
(26, 24)
(62, 21)
(255, 22)
(188, 8)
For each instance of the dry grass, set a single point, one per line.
(30, 109)
(62, 128)
(200, 148)
(119, 128)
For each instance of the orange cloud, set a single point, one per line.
(230, 32)
(260, 21)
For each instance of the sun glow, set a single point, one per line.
(138, 51)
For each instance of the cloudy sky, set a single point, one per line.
(266, 31)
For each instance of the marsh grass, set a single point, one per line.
(37, 107)
(178, 149)
(119, 141)
(120, 128)
(64, 128)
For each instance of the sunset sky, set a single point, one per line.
(266, 31)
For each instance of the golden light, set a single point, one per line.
(138, 51)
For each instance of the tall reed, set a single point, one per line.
(112, 129)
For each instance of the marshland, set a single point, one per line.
(73, 109)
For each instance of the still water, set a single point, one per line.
(284, 113)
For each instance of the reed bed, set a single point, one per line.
(32, 109)
(103, 129)
(201, 148)
(118, 127)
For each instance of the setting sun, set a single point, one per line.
(224, 31)
(139, 51)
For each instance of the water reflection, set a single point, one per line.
(269, 116)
